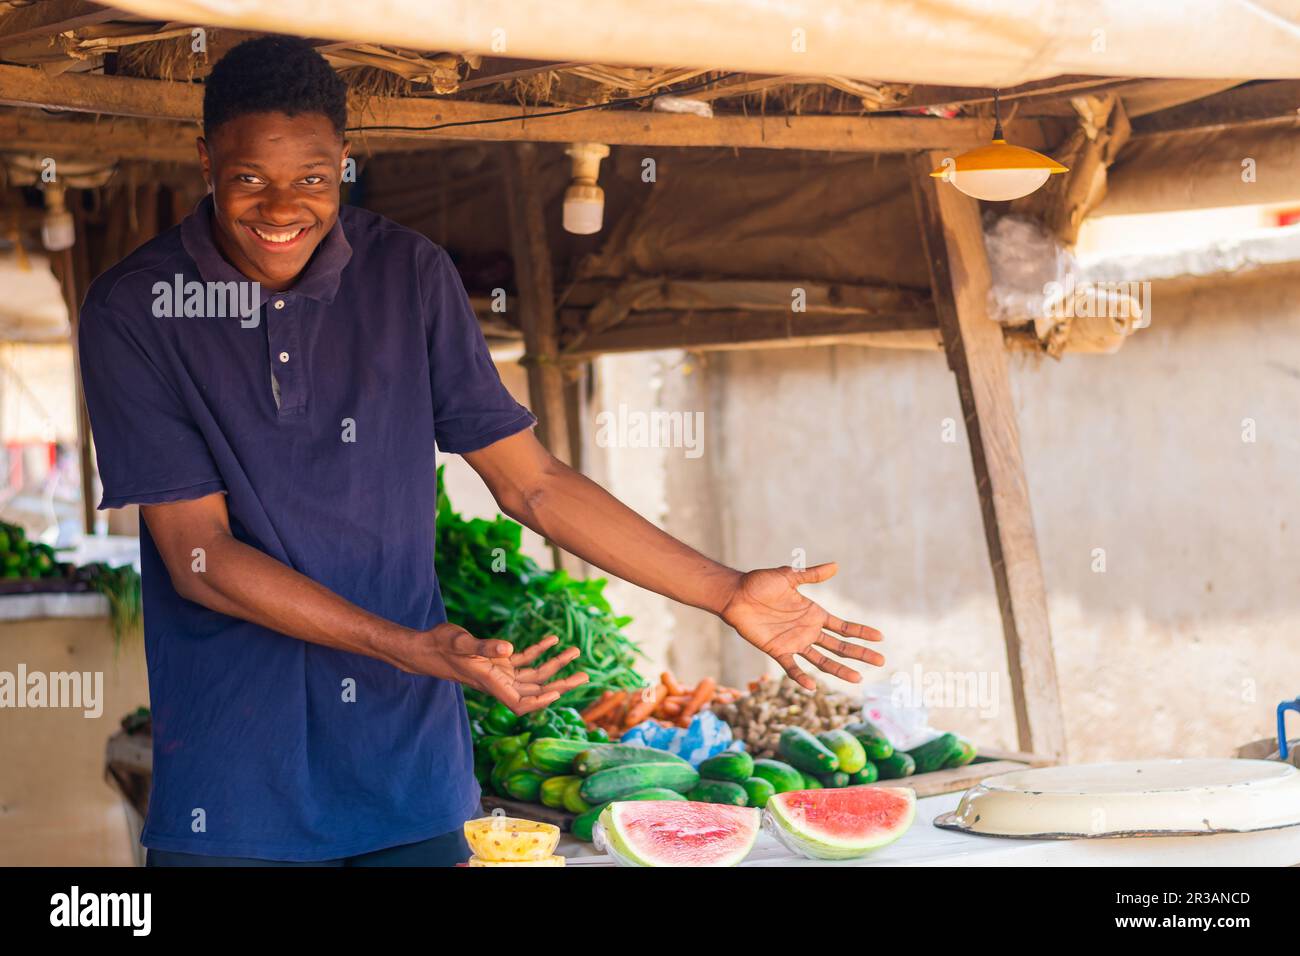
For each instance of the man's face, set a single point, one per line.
(275, 186)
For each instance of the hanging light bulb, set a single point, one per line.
(58, 231)
(999, 171)
(584, 201)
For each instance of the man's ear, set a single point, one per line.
(205, 161)
(343, 159)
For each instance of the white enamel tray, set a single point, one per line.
(1132, 798)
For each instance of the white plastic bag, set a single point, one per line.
(905, 724)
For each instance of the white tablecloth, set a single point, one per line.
(927, 845)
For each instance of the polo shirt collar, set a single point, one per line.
(320, 280)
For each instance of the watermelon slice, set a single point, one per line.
(678, 833)
(841, 824)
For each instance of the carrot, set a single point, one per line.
(645, 706)
(586, 714)
(702, 694)
(674, 689)
(605, 705)
(670, 708)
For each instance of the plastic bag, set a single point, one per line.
(1026, 262)
(904, 724)
(707, 735)
(603, 845)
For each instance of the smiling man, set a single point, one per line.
(305, 684)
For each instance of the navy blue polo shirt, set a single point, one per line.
(316, 416)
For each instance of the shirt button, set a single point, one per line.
(279, 303)
(284, 357)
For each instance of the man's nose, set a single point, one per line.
(278, 205)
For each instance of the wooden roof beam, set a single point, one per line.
(730, 329)
(129, 96)
(55, 17)
(122, 137)
(1264, 102)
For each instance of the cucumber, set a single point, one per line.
(719, 791)
(781, 776)
(733, 765)
(962, 755)
(553, 789)
(573, 802)
(834, 781)
(525, 785)
(933, 754)
(811, 783)
(868, 774)
(607, 756)
(846, 748)
(805, 752)
(873, 740)
(555, 754)
(759, 791)
(611, 784)
(897, 765)
(584, 823)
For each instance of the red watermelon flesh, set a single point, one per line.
(844, 823)
(679, 833)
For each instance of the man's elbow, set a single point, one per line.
(188, 569)
(186, 581)
(524, 502)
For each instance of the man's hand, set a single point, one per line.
(768, 611)
(452, 653)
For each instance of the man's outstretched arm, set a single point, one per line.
(764, 606)
(246, 583)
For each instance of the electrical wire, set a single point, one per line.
(564, 112)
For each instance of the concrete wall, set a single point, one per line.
(1182, 645)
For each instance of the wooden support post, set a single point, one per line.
(959, 274)
(70, 274)
(537, 317)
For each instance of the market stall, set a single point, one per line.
(630, 771)
(796, 172)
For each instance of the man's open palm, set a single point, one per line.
(493, 667)
(768, 611)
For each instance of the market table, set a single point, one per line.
(927, 845)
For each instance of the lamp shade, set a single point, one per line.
(999, 171)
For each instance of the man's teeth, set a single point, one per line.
(276, 236)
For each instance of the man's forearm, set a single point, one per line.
(243, 582)
(584, 519)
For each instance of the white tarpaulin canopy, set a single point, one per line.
(987, 43)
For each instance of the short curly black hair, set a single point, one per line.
(271, 74)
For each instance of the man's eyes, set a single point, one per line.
(248, 179)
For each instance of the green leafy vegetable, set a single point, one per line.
(122, 588)
(492, 589)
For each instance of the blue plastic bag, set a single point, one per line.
(707, 735)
